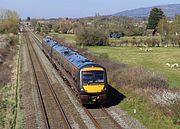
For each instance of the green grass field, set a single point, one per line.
(155, 60)
(69, 38)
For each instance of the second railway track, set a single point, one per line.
(53, 113)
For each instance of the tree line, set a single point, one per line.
(170, 32)
(97, 30)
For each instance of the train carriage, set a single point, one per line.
(47, 44)
(89, 78)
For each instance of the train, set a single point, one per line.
(86, 77)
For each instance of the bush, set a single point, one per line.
(9, 22)
(56, 28)
(138, 77)
(12, 39)
(91, 37)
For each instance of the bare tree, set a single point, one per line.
(9, 21)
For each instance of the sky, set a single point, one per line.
(75, 8)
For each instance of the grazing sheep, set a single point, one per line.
(175, 65)
(146, 50)
(150, 49)
(167, 64)
(140, 49)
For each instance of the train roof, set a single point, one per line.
(49, 41)
(76, 59)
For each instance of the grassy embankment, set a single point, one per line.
(11, 114)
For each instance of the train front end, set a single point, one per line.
(93, 85)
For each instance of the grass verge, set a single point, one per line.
(10, 98)
(147, 113)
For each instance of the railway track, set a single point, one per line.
(53, 113)
(99, 116)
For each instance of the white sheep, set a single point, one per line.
(146, 49)
(175, 65)
(167, 64)
(140, 49)
(150, 49)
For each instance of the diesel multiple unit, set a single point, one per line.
(86, 77)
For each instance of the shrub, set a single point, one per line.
(91, 37)
(139, 77)
(9, 21)
(12, 39)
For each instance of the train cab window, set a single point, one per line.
(98, 76)
(89, 77)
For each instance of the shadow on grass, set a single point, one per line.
(114, 97)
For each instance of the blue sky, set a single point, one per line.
(76, 8)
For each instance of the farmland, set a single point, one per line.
(68, 38)
(154, 60)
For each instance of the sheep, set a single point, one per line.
(146, 49)
(167, 64)
(150, 49)
(140, 49)
(175, 65)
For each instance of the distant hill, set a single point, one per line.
(170, 10)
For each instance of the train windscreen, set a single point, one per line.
(89, 77)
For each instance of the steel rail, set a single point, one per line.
(52, 91)
(45, 117)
